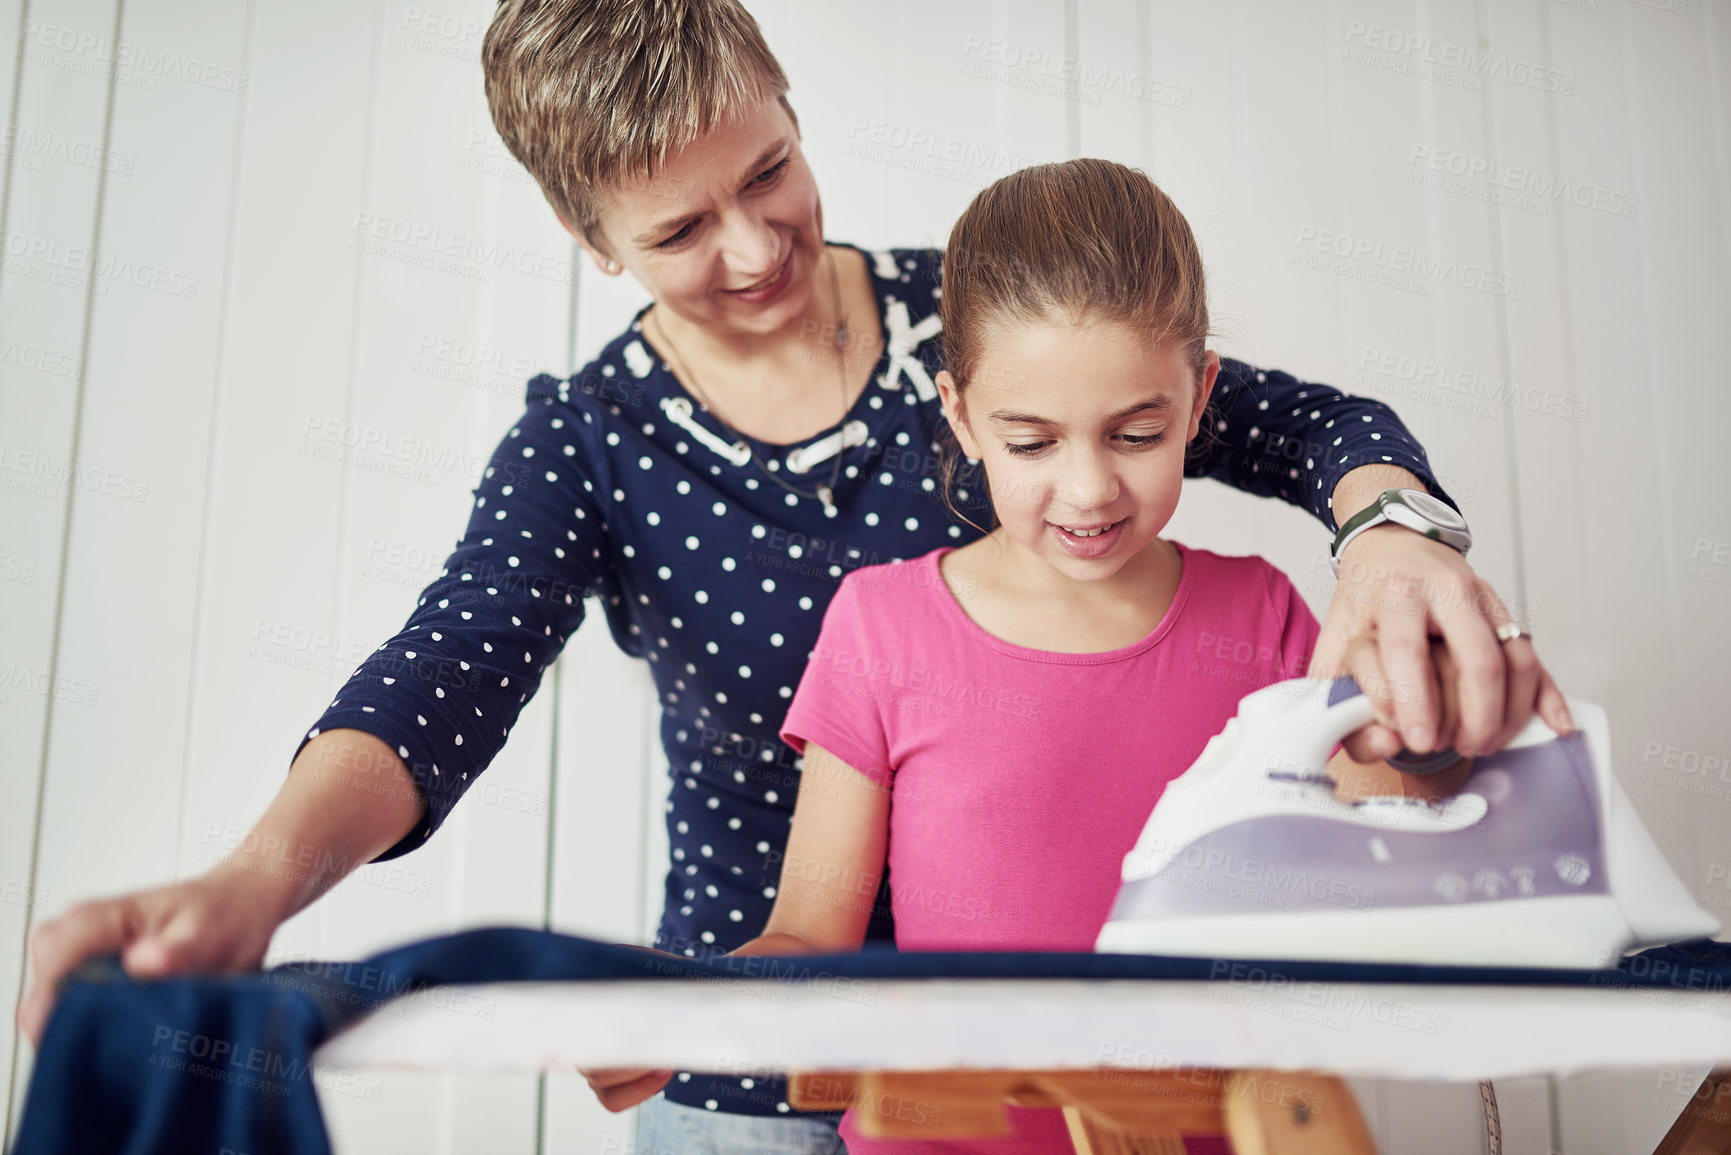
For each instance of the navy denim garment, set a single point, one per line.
(198, 1065)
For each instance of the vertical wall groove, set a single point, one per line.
(549, 876)
(1655, 356)
(189, 744)
(12, 123)
(1500, 312)
(1716, 112)
(357, 331)
(1072, 51)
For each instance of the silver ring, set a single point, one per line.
(1509, 631)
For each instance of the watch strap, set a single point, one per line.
(1370, 515)
(1377, 513)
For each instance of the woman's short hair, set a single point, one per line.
(591, 95)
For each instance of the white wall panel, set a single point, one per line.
(270, 646)
(1203, 158)
(114, 769)
(1640, 253)
(51, 257)
(14, 148)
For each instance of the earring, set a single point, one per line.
(611, 266)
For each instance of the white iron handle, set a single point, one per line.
(1310, 743)
(1405, 761)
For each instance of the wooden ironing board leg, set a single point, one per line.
(1108, 1111)
(1704, 1127)
(1092, 1139)
(1306, 1115)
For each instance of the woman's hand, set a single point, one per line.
(1397, 589)
(217, 923)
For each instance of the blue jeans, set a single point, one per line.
(665, 1128)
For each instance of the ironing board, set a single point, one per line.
(1376, 1030)
(510, 998)
(1129, 1045)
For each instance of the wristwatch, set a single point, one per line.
(1412, 508)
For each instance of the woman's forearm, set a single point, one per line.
(1359, 488)
(1273, 435)
(348, 797)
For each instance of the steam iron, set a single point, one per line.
(1538, 860)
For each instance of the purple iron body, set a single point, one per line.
(1538, 859)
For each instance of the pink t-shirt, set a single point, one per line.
(1022, 777)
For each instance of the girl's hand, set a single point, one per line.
(840, 820)
(619, 1089)
(1396, 590)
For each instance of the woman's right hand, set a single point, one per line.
(216, 923)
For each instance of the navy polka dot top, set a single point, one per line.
(616, 486)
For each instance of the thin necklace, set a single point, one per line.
(823, 493)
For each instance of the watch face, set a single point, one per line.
(1431, 509)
